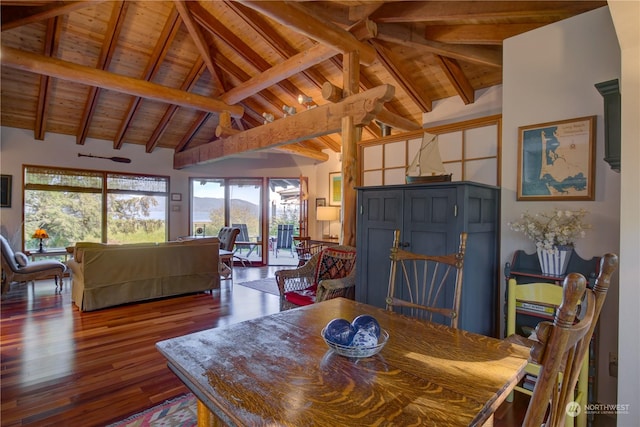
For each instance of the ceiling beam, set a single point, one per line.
(307, 124)
(304, 151)
(300, 20)
(410, 37)
(287, 68)
(478, 34)
(26, 61)
(17, 16)
(456, 76)
(52, 38)
(111, 35)
(401, 75)
(169, 32)
(482, 11)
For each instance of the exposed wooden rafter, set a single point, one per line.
(318, 121)
(50, 49)
(26, 61)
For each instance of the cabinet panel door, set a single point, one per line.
(430, 221)
(380, 213)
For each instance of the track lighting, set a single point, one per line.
(268, 118)
(307, 101)
(288, 111)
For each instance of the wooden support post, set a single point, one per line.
(350, 137)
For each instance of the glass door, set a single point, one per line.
(245, 212)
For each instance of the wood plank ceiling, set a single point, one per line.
(181, 74)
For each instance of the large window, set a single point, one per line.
(79, 205)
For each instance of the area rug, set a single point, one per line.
(267, 285)
(179, 412)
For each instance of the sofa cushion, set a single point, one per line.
(21, 259)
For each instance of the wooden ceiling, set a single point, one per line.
(181, 74)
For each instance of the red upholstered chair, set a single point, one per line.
(328, 274)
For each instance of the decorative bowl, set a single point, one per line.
(358, 351)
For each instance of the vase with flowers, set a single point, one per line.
(554, 234)
(41, 234)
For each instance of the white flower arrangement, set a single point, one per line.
(550, 230)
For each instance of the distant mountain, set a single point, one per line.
(207, 204)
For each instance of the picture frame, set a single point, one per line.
(556, 160)
(321, 201)
(335, 189)
(5, 191)
(176, 197)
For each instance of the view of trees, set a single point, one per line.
(71, 217)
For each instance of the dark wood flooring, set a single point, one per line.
(66, 368)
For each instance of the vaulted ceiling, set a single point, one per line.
(182, 74)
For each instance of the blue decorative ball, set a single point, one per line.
(367, 323)
(364, 338)
(339, 331)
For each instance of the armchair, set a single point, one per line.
(328, 274)
(16, 267)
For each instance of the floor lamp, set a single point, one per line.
(327, 213)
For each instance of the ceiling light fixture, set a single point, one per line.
(268, 118)
(307, 101)
(288, 111)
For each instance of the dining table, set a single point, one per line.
(277, 370)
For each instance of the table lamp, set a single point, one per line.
(40, 233)
(327, 213)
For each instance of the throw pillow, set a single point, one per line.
(21, 259)
(334, 264)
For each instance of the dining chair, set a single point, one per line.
(561, 346)
(331, 273)
(542, 300)
(428, 287)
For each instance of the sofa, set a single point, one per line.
(106, 275)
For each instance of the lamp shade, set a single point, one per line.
(40, 233)
(327, 213)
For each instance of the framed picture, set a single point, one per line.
(176, 197)
(5, 191)
(321, 201)
(556, 160)
(335, 189)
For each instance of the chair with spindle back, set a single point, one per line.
(562, 345)
(425, 282)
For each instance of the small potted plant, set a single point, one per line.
(554, 234)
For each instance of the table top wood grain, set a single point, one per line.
(277, 370)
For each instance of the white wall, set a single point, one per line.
(626, 15)
(18, 147)
(549, 75)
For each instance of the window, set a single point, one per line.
(79, 205)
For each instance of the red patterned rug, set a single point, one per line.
(178, 412)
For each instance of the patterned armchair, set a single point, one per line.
(331, 273)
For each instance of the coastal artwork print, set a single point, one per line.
(556, 160)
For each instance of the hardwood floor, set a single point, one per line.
(66, 368)
(63, 367)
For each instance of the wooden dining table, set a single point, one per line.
(278, 371)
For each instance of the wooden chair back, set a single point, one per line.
(427, 280)
(563, 344)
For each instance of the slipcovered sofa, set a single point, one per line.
(106, 275)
